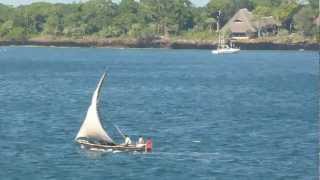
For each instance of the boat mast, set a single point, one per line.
(218, 28)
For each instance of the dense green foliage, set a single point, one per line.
(144, 18)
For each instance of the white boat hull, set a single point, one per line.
(119, 147)
(225, 51)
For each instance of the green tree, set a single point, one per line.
(6, 28)
(266, 3)
(226, 8)
(157, 11)
(127, 17)
(53, 25)
(183, 14)
(17, 34)
(97, 14)
(285, 11)
(303, 21)
(144, 18)
(5, 13)
(170, 16)
(259, 12)
(262, 11)
(110, 31)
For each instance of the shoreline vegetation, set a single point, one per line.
(176, 24)
(270, 43)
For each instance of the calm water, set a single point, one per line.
(251, 115)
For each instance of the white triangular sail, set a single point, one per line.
(91, 126)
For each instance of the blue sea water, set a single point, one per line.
(251, 115)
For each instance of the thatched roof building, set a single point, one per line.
(243, 25)
(241, 22)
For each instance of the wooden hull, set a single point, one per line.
(113, 148)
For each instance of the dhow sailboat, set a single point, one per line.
(92, 135)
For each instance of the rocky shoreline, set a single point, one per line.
(142, 43)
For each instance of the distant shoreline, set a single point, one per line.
(182, 44)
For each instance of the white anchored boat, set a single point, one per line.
(92, 135)
(225, 49)
(222, 47)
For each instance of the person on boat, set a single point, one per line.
(149, 145)
(127, 140)
(140, 142)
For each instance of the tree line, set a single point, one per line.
(145, 18)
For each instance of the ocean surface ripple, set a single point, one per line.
(251, 115)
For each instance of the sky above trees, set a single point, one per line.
(19, 2)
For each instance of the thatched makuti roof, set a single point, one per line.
(243, 22)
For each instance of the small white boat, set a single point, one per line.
(225, 50)
(222, 47)
(92, 135)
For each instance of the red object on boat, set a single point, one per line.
(149, 145)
